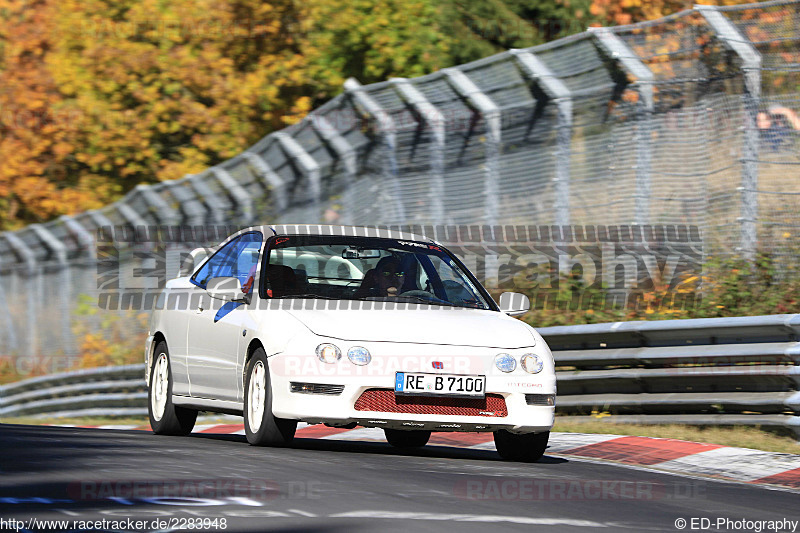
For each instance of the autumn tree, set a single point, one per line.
(101, 95)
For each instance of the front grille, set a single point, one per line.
(540, 399)
(385, 401)
(316, 388)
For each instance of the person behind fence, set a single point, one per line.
(778, 126)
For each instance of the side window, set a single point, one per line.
(238, 258)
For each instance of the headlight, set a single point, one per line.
(532, 363)
(359, 356)
(328, 353)
(505, 362)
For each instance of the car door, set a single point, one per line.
(215, 327)
(180, 300)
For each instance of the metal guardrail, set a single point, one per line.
(718, 371)
(107, 391)
(712, 371)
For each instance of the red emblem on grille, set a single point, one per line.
(438, 365)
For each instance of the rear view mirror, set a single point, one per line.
(225, 288)
(360, 253)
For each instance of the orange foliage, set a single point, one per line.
(617, 12)
(101, 95)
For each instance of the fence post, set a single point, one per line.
(270, 179)
(387, 131)
(59, 252)
(102, 221)
(633, 67)
(491, 113)
(433, 118)
(240, 198)
(727, 33)
(193, 210)
(207, 197)
(136, 221)
(164, 212)
(34, 296)
(554, 88)
(345, 153)
(5, 307)
(87, 242)
(307, 166)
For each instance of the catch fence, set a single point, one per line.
(690, 119)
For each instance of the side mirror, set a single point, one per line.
(514, 303)
(226, 288)
(192, 262)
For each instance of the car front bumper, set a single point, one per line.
(344, 408)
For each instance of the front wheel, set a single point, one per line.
(527, 447)
(407, 439)
(165, 417)
(261, 427)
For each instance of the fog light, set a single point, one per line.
(328, 353)
(505, 363)
(531, 363)
(359, 355)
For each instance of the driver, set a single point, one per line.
(384, 280)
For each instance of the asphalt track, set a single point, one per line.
(330, 486)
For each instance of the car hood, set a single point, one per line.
(448, 326)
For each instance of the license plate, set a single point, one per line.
(407, 383)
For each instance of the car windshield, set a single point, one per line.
(353, 268)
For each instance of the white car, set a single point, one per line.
(348, 327)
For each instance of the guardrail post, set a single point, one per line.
(237, 193)
(732, 39)
(490, 112)
(433, 118)
(59, 252)
(346, 154)
(554, 88)
(387, 131)
(308, 166)
(32, 293)
(633, 67)
(270, 179)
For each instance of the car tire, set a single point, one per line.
(400, 438)
(261, 427)
(165, 417)
(526, 447)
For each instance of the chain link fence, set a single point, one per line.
(690, 119)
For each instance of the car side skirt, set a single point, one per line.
(205, 404)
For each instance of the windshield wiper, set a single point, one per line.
(308, 296)
(427, 300)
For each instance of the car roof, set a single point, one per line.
(383, 232)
